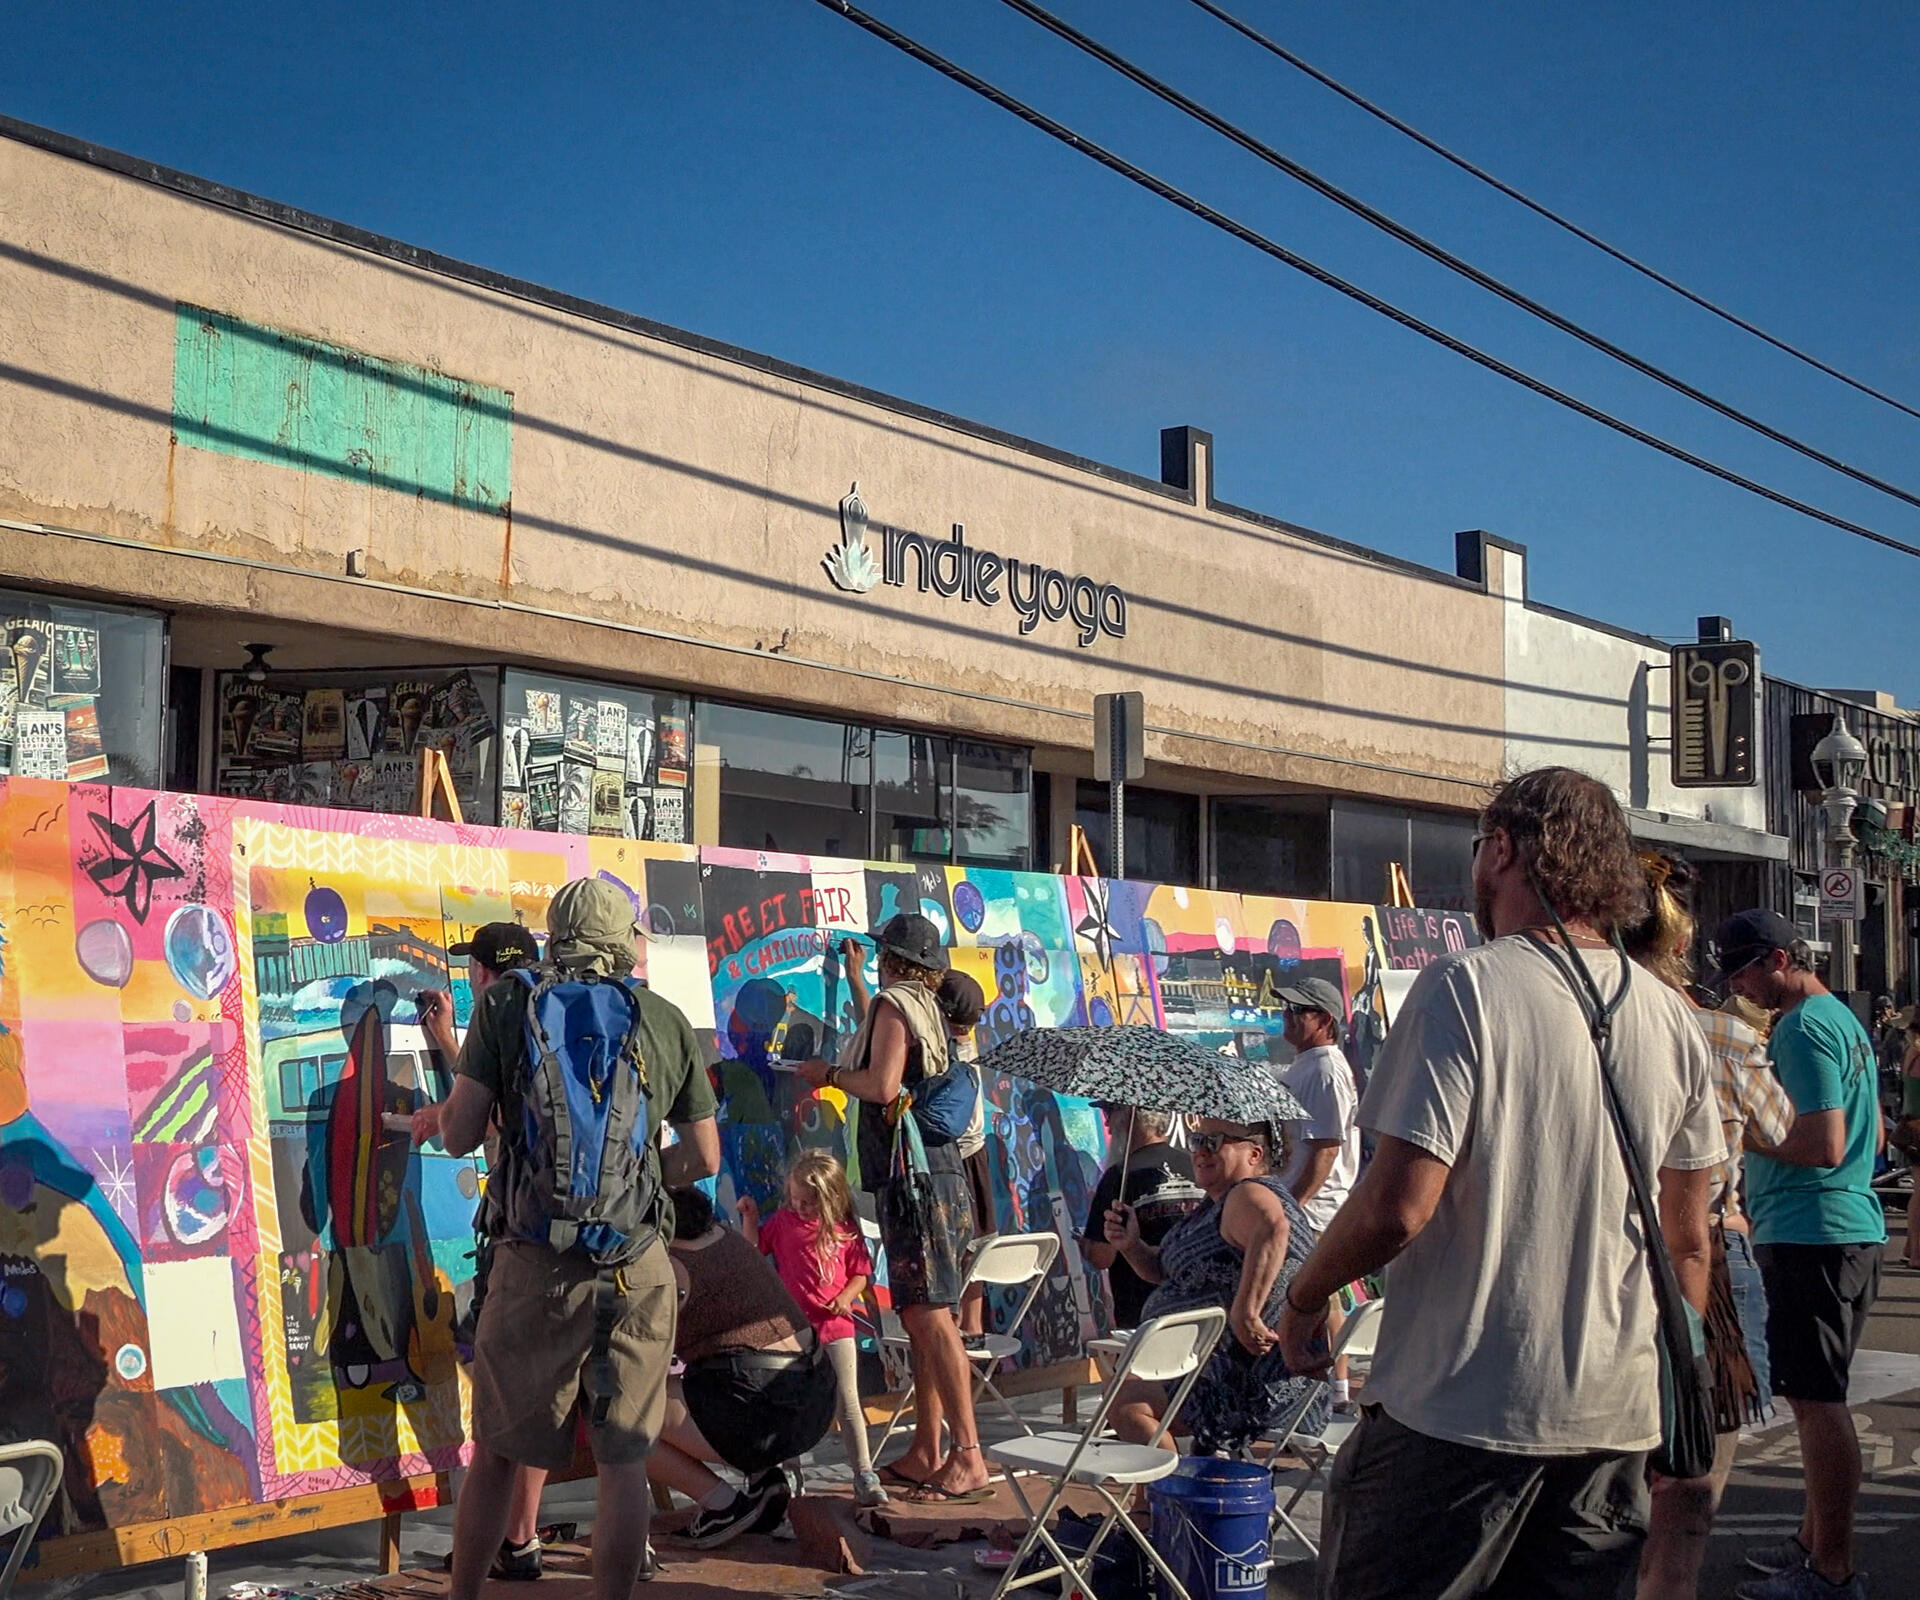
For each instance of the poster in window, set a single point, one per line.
(9, 710)
(671, 777)
(515, 745)
(609, 808)
(673, 741)
(461, 705)
(543, 794)
(277, 726)
(86, 755)
(313, 783)
(543, 713)
(353, 782)
(323, 733)
(670, 816)
(610, 732)
(29, 646)
(407, 716)
(639, 751)
(366, 714)
(40, 743)
(76, 659)
(583, 724)
(515, 812)
(637, 812)
(394, 784)
(576, 797)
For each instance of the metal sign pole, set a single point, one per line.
(1117, 785)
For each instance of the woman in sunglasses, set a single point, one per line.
(1237, 1251)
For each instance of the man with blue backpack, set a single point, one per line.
(584, 1066)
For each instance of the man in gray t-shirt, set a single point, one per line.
(1517, 1377)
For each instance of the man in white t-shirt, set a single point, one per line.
(1325, 1158)
(1515, 1391)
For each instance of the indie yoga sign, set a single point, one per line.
(957, 570)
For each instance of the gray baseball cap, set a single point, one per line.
(1313, 994)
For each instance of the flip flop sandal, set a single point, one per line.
(931, 1494)
(894, 1478)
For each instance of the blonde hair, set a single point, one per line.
(824, 1181)
(1661, 939)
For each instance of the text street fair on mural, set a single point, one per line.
(225, 1278)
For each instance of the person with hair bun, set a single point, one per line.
(1755, 1114)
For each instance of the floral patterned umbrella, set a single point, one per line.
(1144, 1067)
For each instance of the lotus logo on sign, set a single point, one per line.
(850, 563)
(954, 569)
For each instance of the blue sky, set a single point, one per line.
(762, 172)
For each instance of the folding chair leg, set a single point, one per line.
(1037, 1535)
(985, 1386)
(894, 1421)
(1117, 1518)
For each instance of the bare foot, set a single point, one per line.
(962, 1472)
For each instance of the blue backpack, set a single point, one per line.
(579, 1172)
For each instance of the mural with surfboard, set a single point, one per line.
(227, 1276)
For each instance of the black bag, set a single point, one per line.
(1686, 1378)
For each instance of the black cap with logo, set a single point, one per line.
(1745, 937)
(499, 945)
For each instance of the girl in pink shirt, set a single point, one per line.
(815, 1243)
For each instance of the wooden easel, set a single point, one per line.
(1079, 852)
(1399, 886)
(436, 783)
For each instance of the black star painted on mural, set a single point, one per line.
(1097, 926)
(134, 861)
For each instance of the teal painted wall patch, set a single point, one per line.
(246, 390)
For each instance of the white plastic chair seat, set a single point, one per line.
(1338, 1430)
(1105, 1354)
(1103, 1461)
(980, 1347)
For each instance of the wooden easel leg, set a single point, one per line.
(1069, 1406)
(390, 1544)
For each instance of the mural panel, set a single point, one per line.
(226, 1274)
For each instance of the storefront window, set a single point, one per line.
(1163, 831)
(82, 692)
(1271, 844)
(912, 783)
(353, 740)
(992, 806)
(582, 757)
(1443, 861)
(790, 783)
(830, 788)
(1434, 848)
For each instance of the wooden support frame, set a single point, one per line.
(109, 1549)
(436, 783)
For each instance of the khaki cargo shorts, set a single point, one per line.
(530, 1355)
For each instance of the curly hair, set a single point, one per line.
(1572, 838)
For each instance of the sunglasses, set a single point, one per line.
(1208, 1144)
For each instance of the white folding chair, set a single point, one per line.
(30, 1474)
(1170, 1351)
(1359, 1338)
(1007, 1260)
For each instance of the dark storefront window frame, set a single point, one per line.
(102, 735)
(930, 824)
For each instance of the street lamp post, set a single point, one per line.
(1839, 762)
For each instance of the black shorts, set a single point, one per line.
(1818, 1297)
(980, 1185)
(758, 1408)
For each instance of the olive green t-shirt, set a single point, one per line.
(494, 1053)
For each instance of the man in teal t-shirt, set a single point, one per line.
(1818, 1232)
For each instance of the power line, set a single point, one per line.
(1535, 206)
(1259, 241)
(1435, 252)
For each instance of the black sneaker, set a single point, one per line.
(711, 1529)
(517, 1563)
(776, 1486)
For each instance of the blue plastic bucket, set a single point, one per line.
(1210, 1525)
